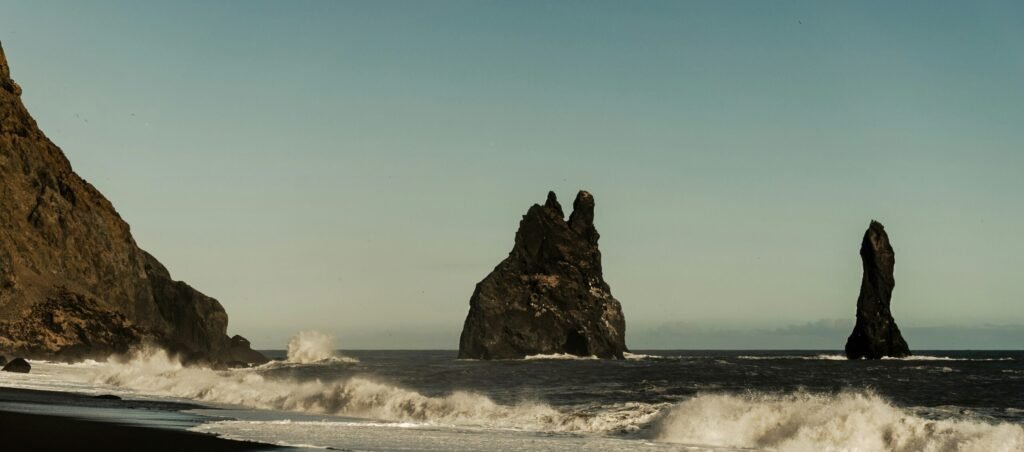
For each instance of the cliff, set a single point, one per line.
(549, 295)
(73, 282)
(876, 335)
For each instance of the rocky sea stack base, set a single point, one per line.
(549, 295)
(876, 335)
(73, 282)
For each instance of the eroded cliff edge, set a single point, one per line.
(549, 295)
(876, 335)
(73, 282)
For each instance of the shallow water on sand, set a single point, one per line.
(664, 400)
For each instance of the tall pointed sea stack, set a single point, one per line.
(876, 335)
(73, 282)
(548, 296)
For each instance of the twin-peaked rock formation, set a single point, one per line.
(548, 296)
(73, 283)
(876, 335)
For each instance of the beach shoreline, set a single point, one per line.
(50, 420)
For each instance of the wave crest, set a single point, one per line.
(814, 422)
(153, 372)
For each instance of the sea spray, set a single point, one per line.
(308, 347)
(849, 421)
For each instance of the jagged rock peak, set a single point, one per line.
(553, 205)
(876, 245)
(876, 335)
(5, 72)
(582, 218)
(549, 295)
(5, 75)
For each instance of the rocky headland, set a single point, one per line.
(875, 334)
(549, 295)
(73, 282)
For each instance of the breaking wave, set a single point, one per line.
(851, 421)
(152, 371)
(796, 422)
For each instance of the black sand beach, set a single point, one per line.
(43, 420)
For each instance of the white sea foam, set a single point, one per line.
(83, 363)
(559, 356)
(796, 422)
(830, 357)
(943, 358)
(933, 368)
(806, 357)
(801, 422)
(154, 372)
(379, 436)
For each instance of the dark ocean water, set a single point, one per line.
(990, 383)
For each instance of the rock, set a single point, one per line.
(200, 321)
(72, 326)
(549, 295)
(3, 361)
(107, 397)
(240, 351)
(73, 282)
(876, 335)
(18, 365)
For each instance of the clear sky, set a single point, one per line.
(357, 167)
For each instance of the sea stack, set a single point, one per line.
(73, 282)
(549, 295)
(876, 335)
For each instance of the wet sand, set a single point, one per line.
(43, 420)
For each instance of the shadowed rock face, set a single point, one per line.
(548, 296)
(73, 282)
(17, 365)
(876, 335)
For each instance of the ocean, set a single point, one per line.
(654, 400)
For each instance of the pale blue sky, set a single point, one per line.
(357, 167)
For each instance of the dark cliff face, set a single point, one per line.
(73, 282)
(876, 335)
(549, 295)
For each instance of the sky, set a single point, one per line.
(357, 167)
